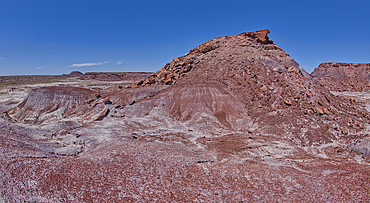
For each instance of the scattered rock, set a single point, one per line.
(318, 110)
(89, 101)
(103, 115)
(287, 102)
(326, 127)
(326, 111)
(322, 103)
(263, 88)
(345, 130)
(107, 101)
(291, 69)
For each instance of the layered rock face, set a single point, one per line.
(343, 76)
(52, 103)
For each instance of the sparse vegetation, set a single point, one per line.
(30, 79)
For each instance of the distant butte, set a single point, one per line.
(343, 76)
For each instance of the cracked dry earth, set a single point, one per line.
(235, 120)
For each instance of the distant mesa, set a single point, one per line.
(114, 76)
(343, 76)
(75, 74)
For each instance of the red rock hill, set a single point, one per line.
(245, 82)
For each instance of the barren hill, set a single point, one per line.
(343, 76)
(247, 83)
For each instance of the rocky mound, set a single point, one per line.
(106, 76)
(49, 103)
(245, 82)
(343, 76)
(74, 74)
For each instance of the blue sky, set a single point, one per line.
(56, 37)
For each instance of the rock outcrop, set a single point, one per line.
(343, 76)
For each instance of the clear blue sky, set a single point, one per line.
(56, 37)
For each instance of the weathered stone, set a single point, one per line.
(262, 35)
(176, 59)
(287, 102)
(345, 130)
(326, 127)
(103, 115)
(263, 88)
(250, 34)
(107, 101)
(326, 111)
(322, 103)
(89, 101)
(207, 48)
(291, 69)
(318, 110)
(296, 98)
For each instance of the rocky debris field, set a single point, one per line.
(234, 120)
